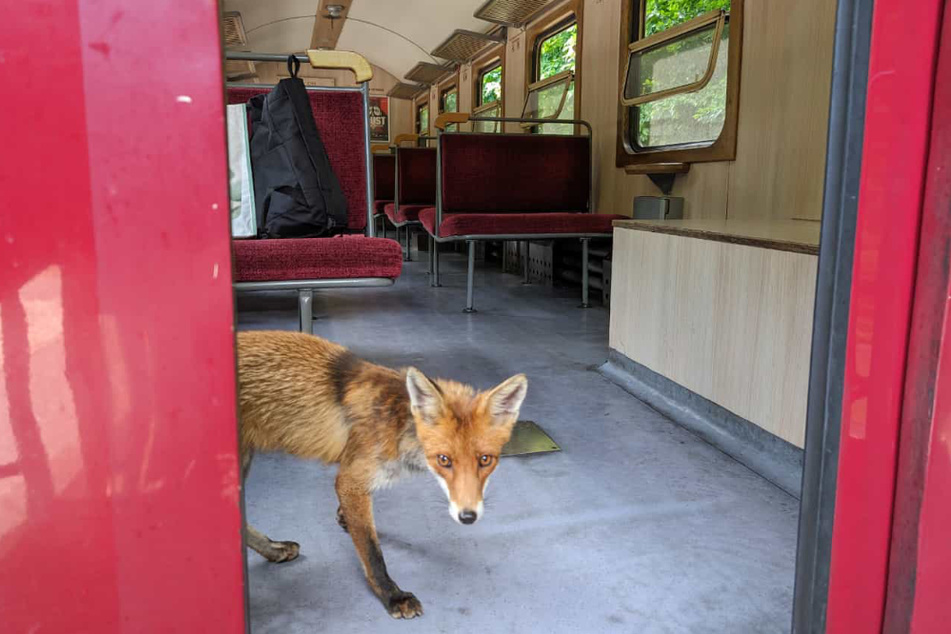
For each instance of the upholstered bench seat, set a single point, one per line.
(341, 257)
(405, 213)
(529, 224)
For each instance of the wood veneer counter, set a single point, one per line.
(797, 236)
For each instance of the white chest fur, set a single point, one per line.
(392, 471)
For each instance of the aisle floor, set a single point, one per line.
(636, 526)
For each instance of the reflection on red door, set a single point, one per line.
(119, 489)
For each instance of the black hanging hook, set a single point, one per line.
(293, 65)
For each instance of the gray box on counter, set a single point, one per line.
(658, 207)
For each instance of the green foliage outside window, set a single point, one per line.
(691, 117)
(660, 15)
(490, 86)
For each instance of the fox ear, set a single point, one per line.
(506, 399)
(424, 396)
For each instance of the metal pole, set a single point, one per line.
(584, 273)
(435, 279)
(525, 275)
(371, 228)
(305, 298)
(470, 275)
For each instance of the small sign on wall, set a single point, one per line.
(380, 119)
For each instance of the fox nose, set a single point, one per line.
(467, 516)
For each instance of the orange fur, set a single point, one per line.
(312, 398)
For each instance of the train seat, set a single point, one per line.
(384, 179)
(414, 188)
(344, 261)
(513, 187)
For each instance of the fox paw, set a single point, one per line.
(283, 551)
(403, 605)
(342, 520)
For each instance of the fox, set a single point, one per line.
(314, 399)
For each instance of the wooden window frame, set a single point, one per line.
(724, 147)
(554, 20)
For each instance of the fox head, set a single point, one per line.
(462, 433)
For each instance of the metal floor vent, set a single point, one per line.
(232, 30)
(463, 45)
(405, 91)
(426, 73)
(527, 438)
(510, 12)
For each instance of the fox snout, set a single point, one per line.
(469, 514)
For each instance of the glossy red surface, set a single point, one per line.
(920, 564)
(901, 75)
(119, 489)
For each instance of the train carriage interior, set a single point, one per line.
(710, 234)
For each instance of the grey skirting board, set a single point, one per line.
(775, 459)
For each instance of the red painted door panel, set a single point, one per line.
(898, 116)
(119, 488)
(919, 576)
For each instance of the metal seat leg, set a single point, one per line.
(470, 277)
(435, 278)
(584, 273)
(430, 254)
(409, 251)
(305, 300)
(525, 275)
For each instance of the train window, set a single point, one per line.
(449, 102)
(552, 91)
(488, 97)
(490, 84)
(680, 86)
(422, 117)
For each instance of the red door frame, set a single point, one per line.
(901, 76)
(119, 482)
(920, 562)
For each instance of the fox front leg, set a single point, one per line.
(356, 508)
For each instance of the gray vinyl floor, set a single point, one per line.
(636, 526)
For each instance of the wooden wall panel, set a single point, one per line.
(732, 323)
(784, 101)
(784, 110)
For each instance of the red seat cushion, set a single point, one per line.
(341, 257)
(406, 213)
(516, 223)
(379, 206)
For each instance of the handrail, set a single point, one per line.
(448, 118)
(317, 58)
(528, 120)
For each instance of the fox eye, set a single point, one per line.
(444, 461)
(485, 460)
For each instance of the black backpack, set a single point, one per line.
(297, 193)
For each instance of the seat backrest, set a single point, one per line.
(416, 175)
(521, 173)
(384, 176)
(340, 117)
